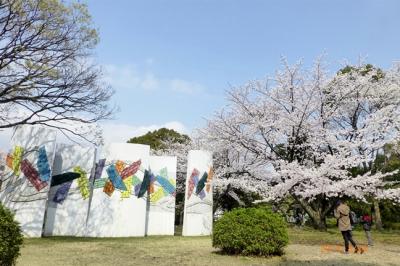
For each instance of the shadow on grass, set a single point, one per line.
(72, 239)
(331, 262)
(269, 259)
(63, 239)
(284, 261)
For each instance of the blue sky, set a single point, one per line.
(171, 61)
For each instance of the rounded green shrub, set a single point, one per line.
(10, 237)
(251, 231)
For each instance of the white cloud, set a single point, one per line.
(128, 77)
(184, 86)
(121, 77)
(149, 61)
(150, 82)
(114, 132)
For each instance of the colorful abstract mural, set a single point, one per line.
(201, 186)
(69, 195)
(26, 178)
(63, 190)
(198, 203)
(118, 205)
(120, 176)
(161, 211)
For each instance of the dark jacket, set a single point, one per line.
(366, 221)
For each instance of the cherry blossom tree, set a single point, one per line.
(299, 133)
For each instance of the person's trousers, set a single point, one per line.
(369, 238)
(347, 236)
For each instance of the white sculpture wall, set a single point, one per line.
(115, 216)
(198, 212)
(161, 211)
(17, 192)
(67, 213)
(103, 212)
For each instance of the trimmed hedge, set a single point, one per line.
(10, 237)
(251, 231)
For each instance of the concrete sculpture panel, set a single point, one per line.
(120, 182)
(198, 212)
(68, 202)
(26, 180)
(161, 207)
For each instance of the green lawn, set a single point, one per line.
(304, 249)
(333, 236)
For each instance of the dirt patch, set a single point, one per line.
(297, 254)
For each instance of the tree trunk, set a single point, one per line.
(378, 219)
(317, 214)
(319, 222)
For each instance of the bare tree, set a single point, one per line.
(46, 73)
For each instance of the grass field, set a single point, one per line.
(306, 248)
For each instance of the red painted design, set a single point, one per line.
(131, 169)
(192, 182)
(32, 175)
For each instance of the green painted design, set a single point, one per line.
(164, 172)
(136, 181)
(128, 184)
(99, 183)
(83, 182)
(156, 196)
(17, 158)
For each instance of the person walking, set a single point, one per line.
(342, 214)
(366, 221)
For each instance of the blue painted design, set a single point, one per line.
(98, 169)
(202, 183)
(152, 178)
(202, 194)
(145, 183)
(43, 165)
(168, 187)
(62, 192)
(115, 178)
(137, 189)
